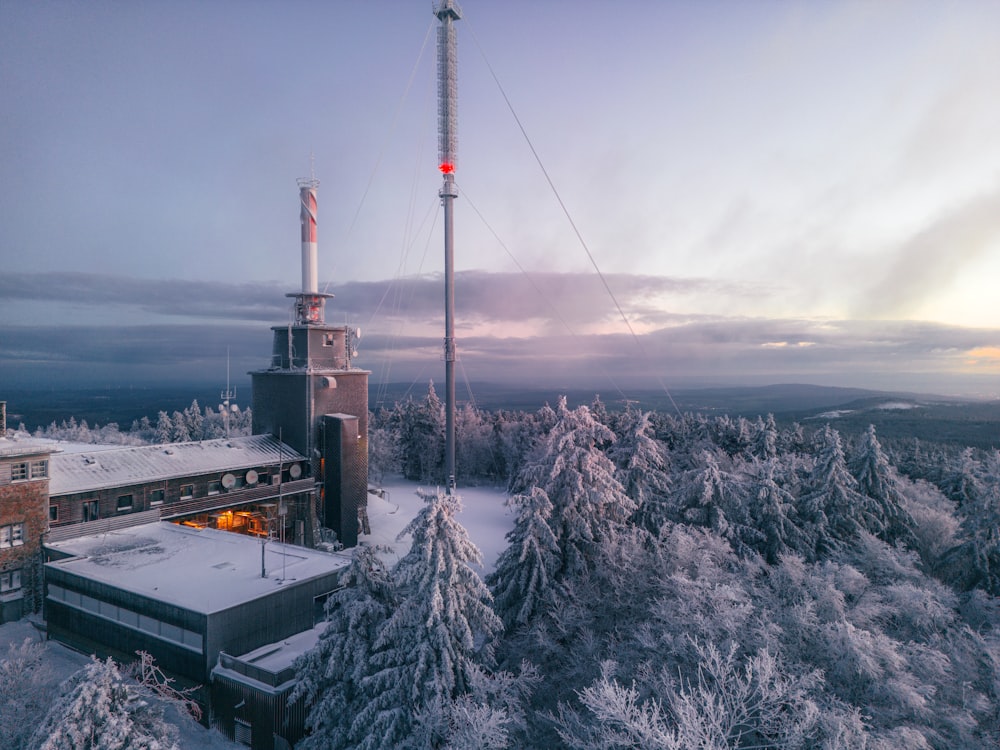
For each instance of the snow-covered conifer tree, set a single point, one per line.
(442, 629)
(526, 568)
(772, 508)
(834, 511)
(330, 675)
(579, 480)
(961, 481)
(764, 439)
(103, 710)
(642, 469)
(421, 436)
(164, 428)
(194, 420)
(179, 433)
(878, 481)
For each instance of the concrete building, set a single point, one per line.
(189, 596)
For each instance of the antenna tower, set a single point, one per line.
(227, 397)
(447, 13)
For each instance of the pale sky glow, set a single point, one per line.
(744, 174)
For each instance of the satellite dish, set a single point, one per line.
(295, 471)
(228, 481)
(252, 477)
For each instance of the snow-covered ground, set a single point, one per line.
(484, 515)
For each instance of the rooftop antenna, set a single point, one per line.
(227, 396)
(447, 13)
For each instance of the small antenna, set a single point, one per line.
(227, 397)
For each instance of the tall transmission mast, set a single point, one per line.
(447, 13)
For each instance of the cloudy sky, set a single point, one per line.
(771, 191)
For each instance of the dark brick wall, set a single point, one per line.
(28, 503)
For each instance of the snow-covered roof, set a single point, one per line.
(15, 444)
(202, 570)
(102, 468)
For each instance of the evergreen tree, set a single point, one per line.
(194, 421)
(961, 481)
(834, 511)
(579, 480)
(764, 439)
(439, 634)
(179, 433)
(878, 481)
(642, 469)
(772, 509)
(421, 437)
(164, 428)
(526, 568)
(331, 674)
(103, 710)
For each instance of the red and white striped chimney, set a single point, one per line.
(310, 273)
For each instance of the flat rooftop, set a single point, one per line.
(103, 467)
(202, 570)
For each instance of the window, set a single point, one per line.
(124, 502)
(327, 339)
(187, 491)
(156, 497)
(90, 512)
(12, 535)
(214, 488)
(10, 581)
(53, 513)
(18, 472)
(39, 469)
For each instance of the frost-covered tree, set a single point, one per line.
(579, 479)
(727, 705)
(330, 675)
(526, 569)
(180, 432)
(441, 631)
(421, 436)
(164, 428)
(714, 495)
(103, 710)
(642, 468)
(27, 687)
(764, 439)
(194, 420)
(473, 444)
(877, 480)
(975, 562)
(961, 480)
(834, 511)
(772, 509)
(383, 453)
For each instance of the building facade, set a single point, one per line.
(24, 492)
(254, 485)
